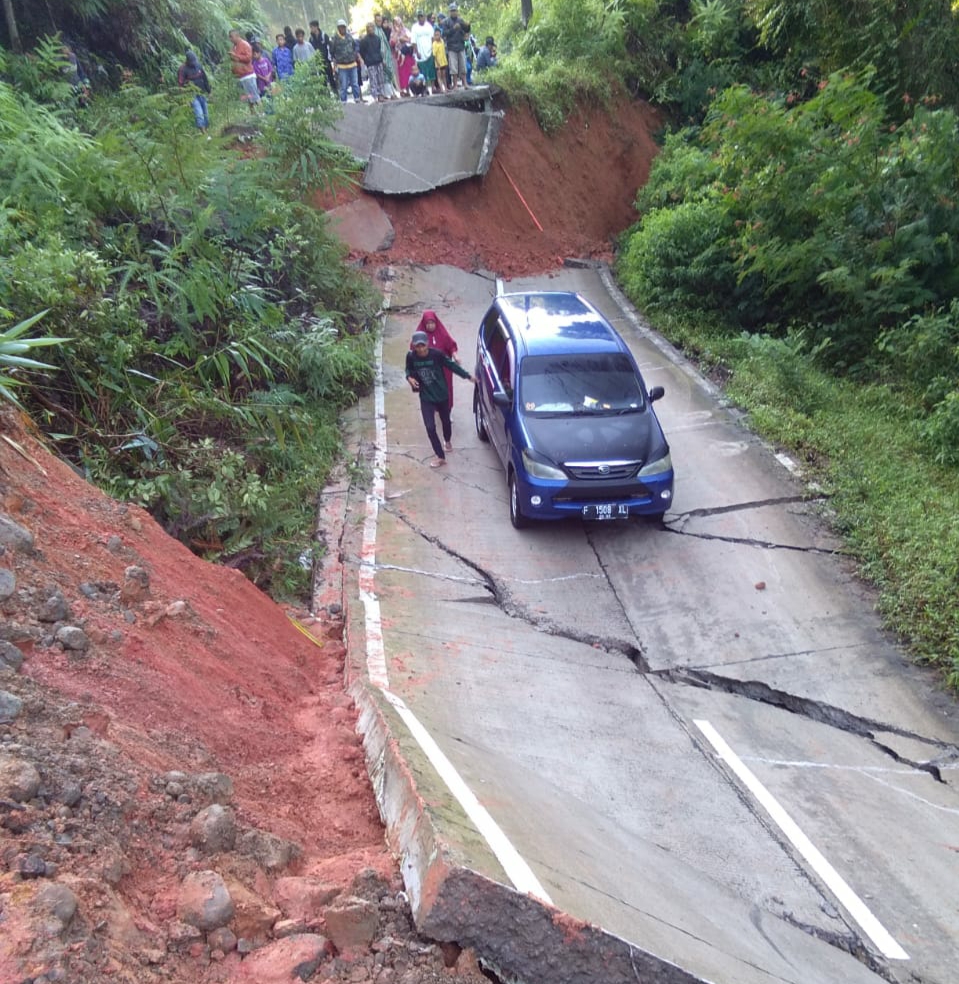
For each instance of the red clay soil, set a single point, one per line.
(579, 184)
(201, 672)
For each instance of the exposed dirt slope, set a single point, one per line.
(579, 184)
(160, 718)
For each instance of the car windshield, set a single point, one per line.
(579, 384)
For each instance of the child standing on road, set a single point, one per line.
(425, 374)
(440, 61)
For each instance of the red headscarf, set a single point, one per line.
(439, 337)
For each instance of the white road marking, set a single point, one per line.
(851, 902)
(873, 772)
(788, 463)
(517, 870)
(375, 653)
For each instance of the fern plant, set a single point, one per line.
(14, 355)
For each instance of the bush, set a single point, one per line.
(682, 255)
(191, 282)
(823, 207)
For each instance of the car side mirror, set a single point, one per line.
(502, 399)
(656, 393)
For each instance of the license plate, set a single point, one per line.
(606, 511)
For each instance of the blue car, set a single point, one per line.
(561, 399)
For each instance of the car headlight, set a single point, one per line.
(539, 467)
(657, 467)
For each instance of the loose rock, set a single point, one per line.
(351, 923)
(8, 583)
(11, 658)
(10, 707)
(73, 638)
(57, 905)
(214, 829)
(213, 787)
(15, 537)
(204, 901)
(294, 958)
(272, 853)
(136, 585)
(303, 898)
(54, 608)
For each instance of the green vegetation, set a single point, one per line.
(214, 329)
(15, 358)
(802, 232)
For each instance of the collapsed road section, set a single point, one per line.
(412, 146)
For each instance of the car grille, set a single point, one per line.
(603, 470)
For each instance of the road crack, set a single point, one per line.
(677, 524)
(818, 711)
(503, 598)
(782, 500)
(848, 942)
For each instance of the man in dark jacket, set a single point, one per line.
(424, 373)
(372, 56)
(456, 34)
(321, 45)
(192, 76)
(345, 61)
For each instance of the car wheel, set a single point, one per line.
(516, 516)
(478, 418)
(654, 519)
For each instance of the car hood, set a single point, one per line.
(632, 436)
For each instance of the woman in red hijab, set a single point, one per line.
(440, 339)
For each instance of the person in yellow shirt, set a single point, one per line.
(440, 60)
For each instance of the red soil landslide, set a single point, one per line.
(579, 184)
(188, 668)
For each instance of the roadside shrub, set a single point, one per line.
(683, 171)
(682, 255)
(184, 273)
(552, 88)
(297, 143)
(922, 354)
(824, 208)
(941, 429)
(334, 370)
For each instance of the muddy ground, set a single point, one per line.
(183, 796)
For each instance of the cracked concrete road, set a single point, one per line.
(567, 671)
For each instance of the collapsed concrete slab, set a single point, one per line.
(412, 146)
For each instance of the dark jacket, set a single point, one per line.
(342, 48)
(370, 50)
(455, 33)
(191, 73)
(428, 372)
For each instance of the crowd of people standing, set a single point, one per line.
(438, 49)
(434, 54)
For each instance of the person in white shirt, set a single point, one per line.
(421, 33)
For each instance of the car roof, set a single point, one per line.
(551, 322)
